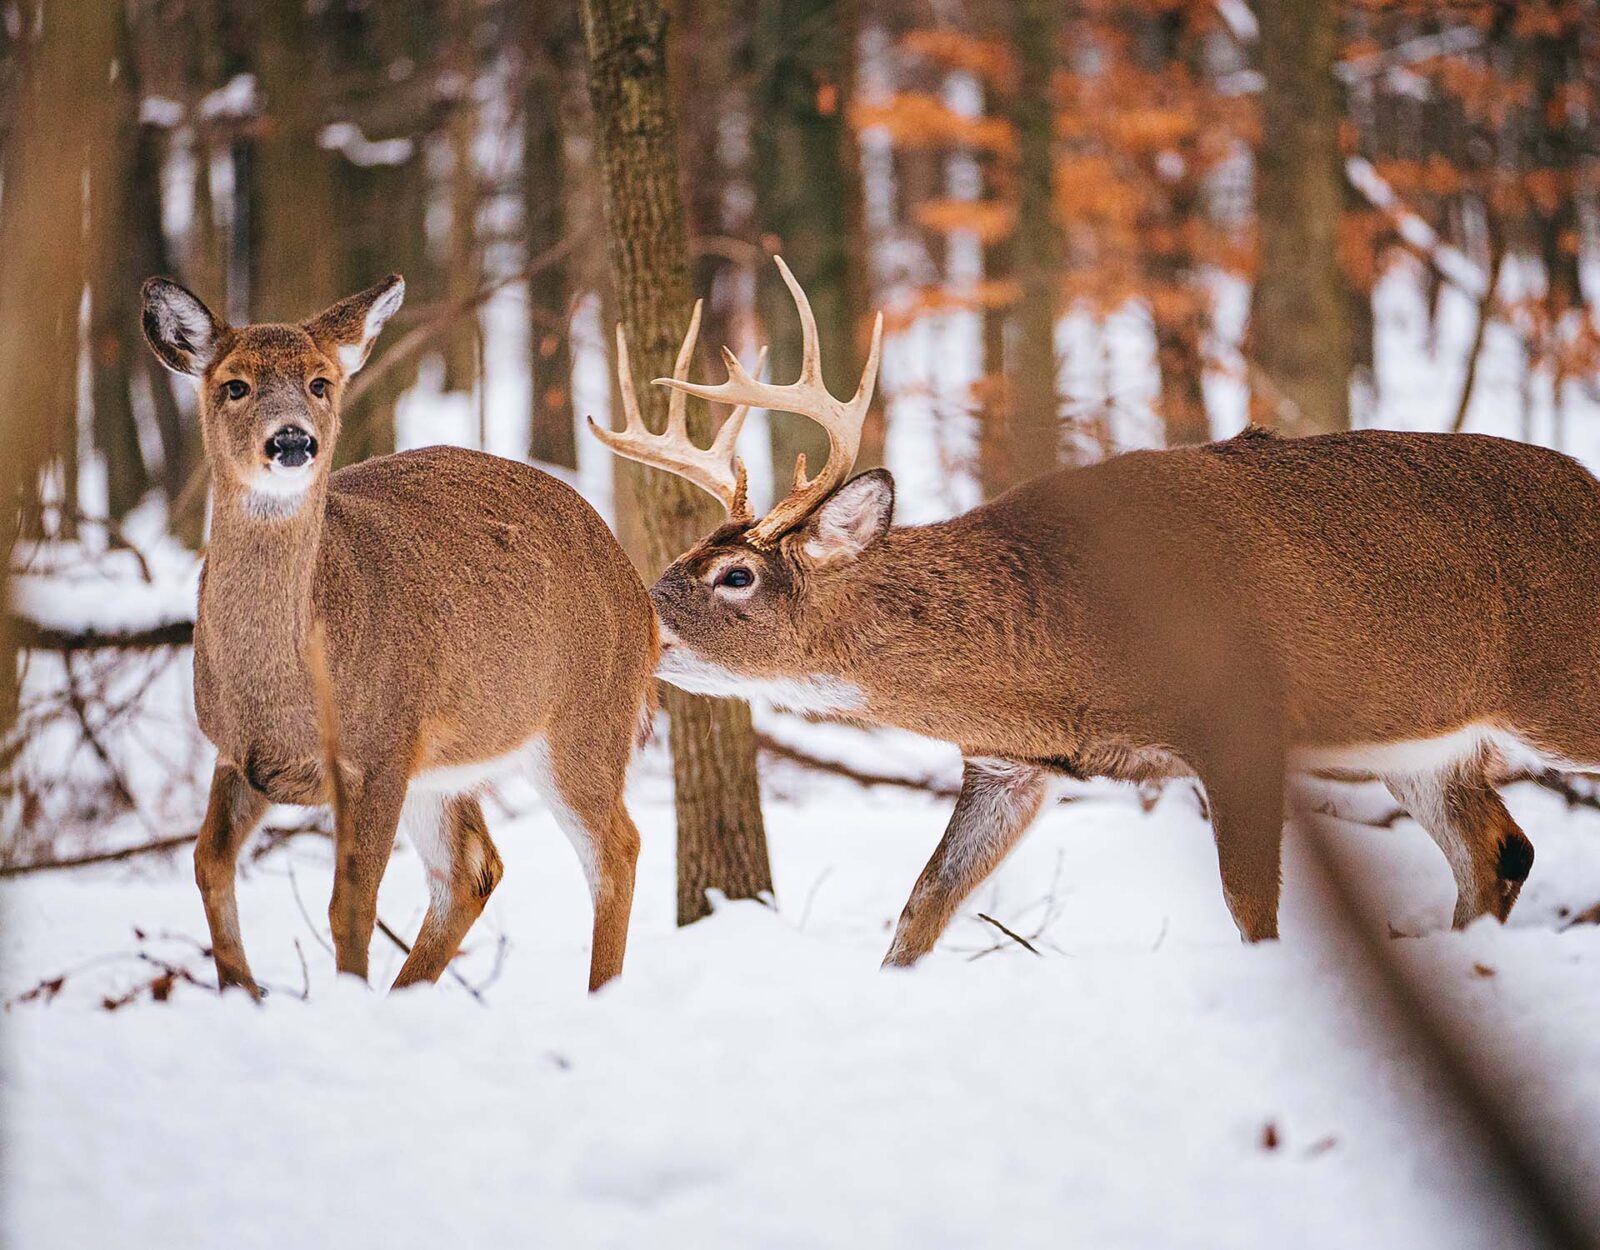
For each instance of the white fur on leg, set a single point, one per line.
(425, 822)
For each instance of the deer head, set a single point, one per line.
(747, 607)
(269, 394)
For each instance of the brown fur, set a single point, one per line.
(470, 604)
(1216, 609)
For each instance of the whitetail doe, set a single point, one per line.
(478, 616)
(1382, 604)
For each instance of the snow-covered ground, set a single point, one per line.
(754, 1080)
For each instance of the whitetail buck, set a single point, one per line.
(1384, 604)
(478, 614)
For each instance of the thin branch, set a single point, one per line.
(1486, 302)
(127, 852)
(1010, 933)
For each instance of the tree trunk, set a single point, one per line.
(56, 139)
(1035, 442)
(293, 228)
(802, 189)
(463, 264)
(721, 840)
(1299, 317)
(553, 436)
(995, 394)
(114, 346)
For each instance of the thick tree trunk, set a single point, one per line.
(721, 840)
(293, 228)
(464, 262)
(114, 347)
(553, 436)
(1035, 442)
(705, 34)
(56, 140)
(803, 186)
(1300, 329)
(382, 206)
(995, 395)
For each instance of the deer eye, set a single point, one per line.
(319, 387)
(236, 389)
(737, 577)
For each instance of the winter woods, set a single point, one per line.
(1091, 228)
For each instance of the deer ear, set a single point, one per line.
(854, 517)
(349, 328)
(181, 330)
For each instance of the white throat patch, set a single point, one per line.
(807, 692)
(277, 491)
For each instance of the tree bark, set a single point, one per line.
(1300, 328)
(114, 349)
(1035, 433)
(293, 235)
(65, 61)
(721, 840)
(553, 436)
(464, 263)
(803, 186)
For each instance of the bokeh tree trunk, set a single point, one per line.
(721, 840)
(1035, 434)
(114, 349)
(552, 436)
(803, 188)
(66, 60)
(1299, 316)
(293, 228)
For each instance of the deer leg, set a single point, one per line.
(232, 813)
(1488, 854)
(463, 869)
(361, 854)
(997, 803)
(583, 786)
(1247, 821)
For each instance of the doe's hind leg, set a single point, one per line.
(583, 782)
(463, 869)
(1488, 854)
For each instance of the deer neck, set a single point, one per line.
(256, 608)
(944, 599)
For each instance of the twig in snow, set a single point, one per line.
(176, 843)
(1010, 933)
(811, 895)
(305, 973)
(460, 980)
(294, 889)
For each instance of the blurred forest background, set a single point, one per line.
(1116, 162)
(1093, 224)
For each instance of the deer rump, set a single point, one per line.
(1345, 597)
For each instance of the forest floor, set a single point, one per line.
(755, 1080)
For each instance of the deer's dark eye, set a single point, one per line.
(319, 387)
(236, 389)
(738, 577)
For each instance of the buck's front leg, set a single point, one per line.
(232, 813)
(361, 853)
(997, 803)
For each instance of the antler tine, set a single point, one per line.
(715, 470)
(810, 349)
(677, 401)
(728, 434)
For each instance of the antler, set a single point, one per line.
(715, 470)
(809, 397)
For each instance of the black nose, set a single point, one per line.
(291, 447)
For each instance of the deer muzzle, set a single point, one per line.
(291, 447)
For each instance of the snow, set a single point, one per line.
(755, 1080)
